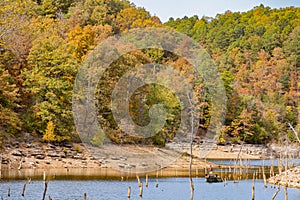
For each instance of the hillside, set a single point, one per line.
(258, 55)
(43, 42)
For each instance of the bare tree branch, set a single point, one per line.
(295, 132)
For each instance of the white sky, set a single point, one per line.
(165, 9)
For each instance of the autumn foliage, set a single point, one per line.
(43, 42)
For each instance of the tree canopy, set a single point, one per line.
(43, 42)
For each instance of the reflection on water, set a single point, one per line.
(91, 174)
(173, 184)
(168, 189)
(225, 169)
(110, 174)
(229, 173)
(61, 174)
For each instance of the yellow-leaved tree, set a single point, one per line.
(49, 135)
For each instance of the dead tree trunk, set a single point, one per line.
(191, 150)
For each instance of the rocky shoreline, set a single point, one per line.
(245, 151)
(21, 155)
(289, 178)
(41, 155)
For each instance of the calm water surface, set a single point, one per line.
(168, 189)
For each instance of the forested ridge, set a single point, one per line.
(43, 42)
(258, 55)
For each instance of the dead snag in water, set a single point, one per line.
(28, 180)
(8, 191)
(141, 190)
(190, 174)
(264, 176)
(272, 166)
(1, 166)
(146, 180)
(139, 181)
(253, 187)
(191, 148)
(45, 190)
(84, 196)
(241, 168)
(44, 176)
(265, 181)
(285, 192)
(275, 194)
(280, 162)
(23, 191)
(128, 192)
(236, 163)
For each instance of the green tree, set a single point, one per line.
(10, 121)
(50, 80)
(53, 8)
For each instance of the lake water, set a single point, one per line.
(168, 189)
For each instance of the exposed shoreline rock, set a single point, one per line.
(46, 156)
(73, 155)
(289, 178)
(245, 151)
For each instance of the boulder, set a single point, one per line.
(53, 154)
(62, 155)
(15, 144)
(40, 157)
(79, 157)
(36, 152)
(47, 162)
(16, 152)
(67, 145)
(115, 158)
(5, 160)
(28, 145)
(70, 153)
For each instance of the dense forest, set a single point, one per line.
(43, 42)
